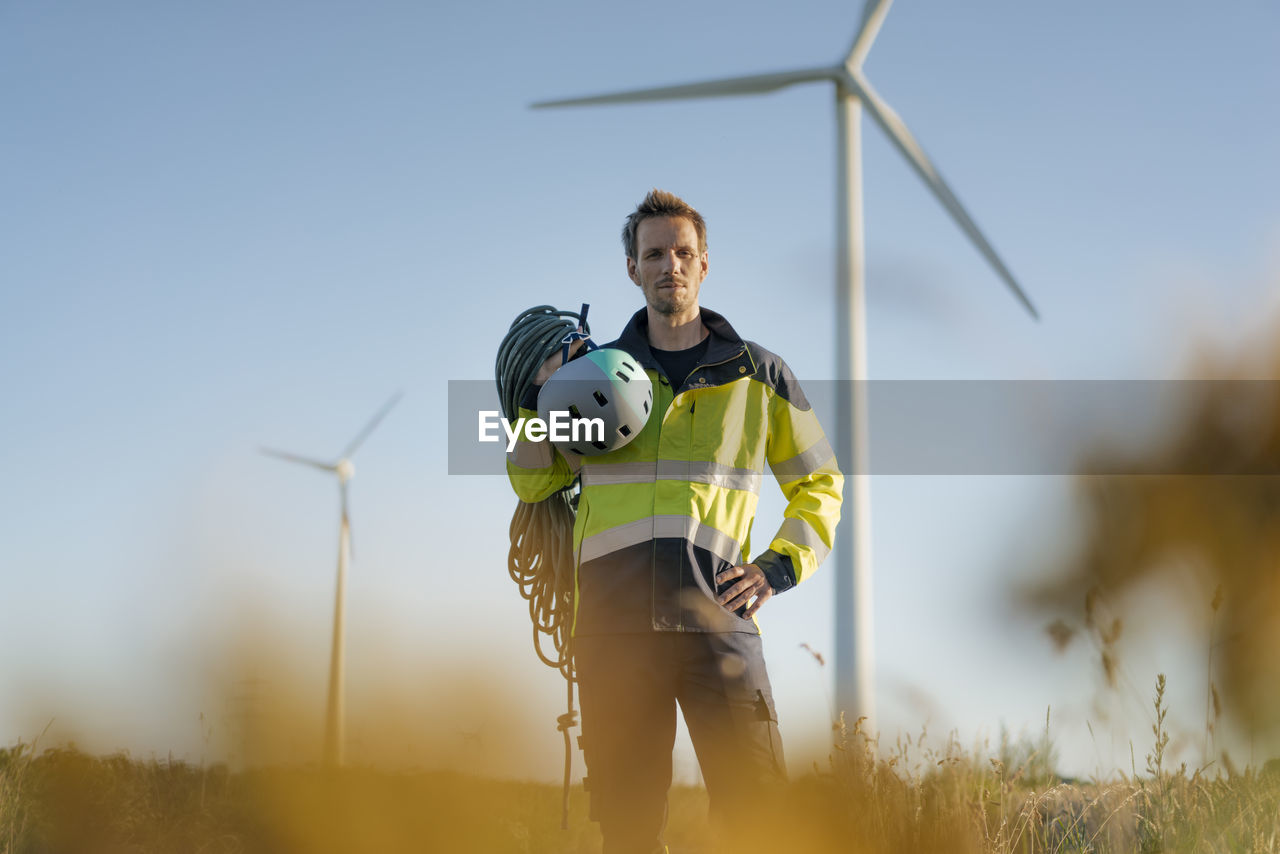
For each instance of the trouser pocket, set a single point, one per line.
(733, 723)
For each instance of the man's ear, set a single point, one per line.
(631, 271)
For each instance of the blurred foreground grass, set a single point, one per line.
(917, 799)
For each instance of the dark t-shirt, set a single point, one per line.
(678, 364)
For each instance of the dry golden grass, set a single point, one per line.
(1195, 515)
(916, 799)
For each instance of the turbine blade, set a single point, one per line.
(872, 17)
(748, 85)
(294, 458)
(372, 425)
(911, 150)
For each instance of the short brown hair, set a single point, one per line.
(661, 203)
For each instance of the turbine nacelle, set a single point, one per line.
(851, 82)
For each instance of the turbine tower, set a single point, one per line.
(854, 656)
(334, 719)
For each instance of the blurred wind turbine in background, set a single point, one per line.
(345, 470)
(854, 650)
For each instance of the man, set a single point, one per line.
(666, 598)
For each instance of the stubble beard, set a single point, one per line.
(670, 304)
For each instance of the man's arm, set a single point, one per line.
(805, 466)
(536, 469)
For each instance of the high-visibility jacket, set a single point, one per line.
(660, 517)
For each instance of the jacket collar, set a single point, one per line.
(725, 343)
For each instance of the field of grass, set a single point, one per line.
(909, 799)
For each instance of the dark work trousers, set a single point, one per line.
(629, 685)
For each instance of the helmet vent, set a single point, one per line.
(574, 413)
(601, 446)
(600, 398)
(646, 407)
(620, 375)
(624, 430)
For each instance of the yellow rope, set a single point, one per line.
(540, 562)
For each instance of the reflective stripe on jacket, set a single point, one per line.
(660, 517)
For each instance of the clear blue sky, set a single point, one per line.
(235, 224)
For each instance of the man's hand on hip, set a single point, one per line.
(753, 583)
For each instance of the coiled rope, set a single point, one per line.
(534, 336)
(540, 559)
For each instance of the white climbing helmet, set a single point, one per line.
(605, 384)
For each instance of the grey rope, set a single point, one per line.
(540, 559)
(533, 337)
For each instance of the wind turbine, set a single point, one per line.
(345, 470)
(854, 656)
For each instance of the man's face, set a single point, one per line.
(669, 267)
